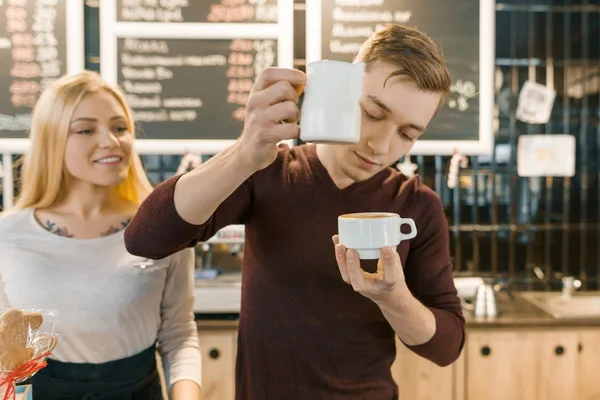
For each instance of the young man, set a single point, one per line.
(313, 325)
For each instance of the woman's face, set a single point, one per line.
(99, 143)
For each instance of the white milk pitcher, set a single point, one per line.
(330, 108)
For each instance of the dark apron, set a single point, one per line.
(132, 378)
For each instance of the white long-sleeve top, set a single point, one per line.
(107, 305)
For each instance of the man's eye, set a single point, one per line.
(406, 136)
(371, 117)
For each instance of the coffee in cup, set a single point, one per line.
(367, 233)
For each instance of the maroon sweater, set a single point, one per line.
(303, 332)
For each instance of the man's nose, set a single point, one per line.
(380, 143)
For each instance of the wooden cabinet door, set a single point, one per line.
(588, 368)
(500, 366)
(557, 358)
(521, 365)
(419, 378)
(218, 364)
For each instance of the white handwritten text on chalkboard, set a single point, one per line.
(460, 94)
(453, 24)
(33, 48)
(147, 79)
(191, 88)
(153, 10)
(20, 122)
(353, 21)
(34, 53)
(260, 11)
(244, 65)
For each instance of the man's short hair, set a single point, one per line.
(415, 55)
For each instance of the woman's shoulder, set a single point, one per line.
(15, 225)
(14, 218)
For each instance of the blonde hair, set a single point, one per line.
(43, 172)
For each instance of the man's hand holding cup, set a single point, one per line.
(272, 115)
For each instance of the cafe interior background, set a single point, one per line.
(514, 156)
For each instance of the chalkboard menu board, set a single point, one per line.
(33, 53)
(187, 66)
(200, 11)
(191, 89)
(454, 25)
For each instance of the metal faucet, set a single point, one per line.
(569, 285)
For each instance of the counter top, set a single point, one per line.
(519, 312)
(227, 321)
(217, 325)
(513, 312)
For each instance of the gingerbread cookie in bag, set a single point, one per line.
(17, 329)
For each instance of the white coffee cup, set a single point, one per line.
(330, 108)
(368, 232)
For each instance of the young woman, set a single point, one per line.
(62, 249)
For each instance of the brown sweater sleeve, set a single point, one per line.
(428, 274)
(158, 231)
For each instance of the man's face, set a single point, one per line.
(393, 118)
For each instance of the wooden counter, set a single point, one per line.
(217, 335)
(523, 354)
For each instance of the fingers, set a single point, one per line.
(271, 115)
(389, 269)
(283, 132)
(275, 104)
(270, 76)
(280, 121)
(356, 273)
(390, 265)
(286, 111)
(340, 256)
(277, 92)
(349, 264)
